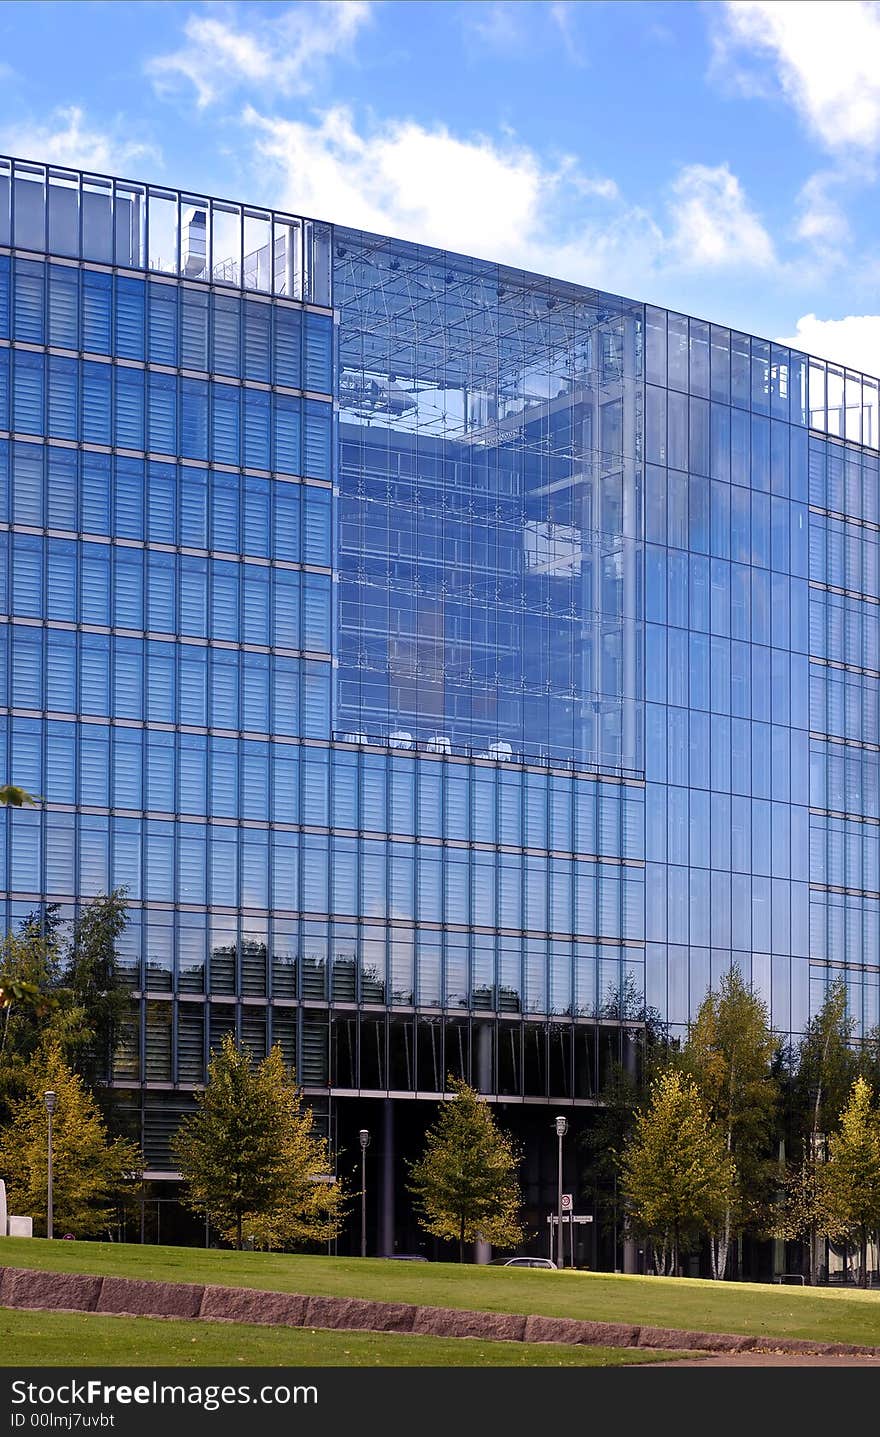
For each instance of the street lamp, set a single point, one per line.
(365, 1143)
(561, 1130)
(49, 1099)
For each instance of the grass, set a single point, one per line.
(821, 1314)
(70, 1339)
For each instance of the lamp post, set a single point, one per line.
(49, 1099)
(365, 1143)
(561, 1130)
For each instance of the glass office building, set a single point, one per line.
(452, 663)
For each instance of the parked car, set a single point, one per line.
(406, 1257)
(544, 1262)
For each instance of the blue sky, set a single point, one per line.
(719, 158)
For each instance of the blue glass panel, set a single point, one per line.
(194, 418)
(316, 440)
(225, 512)
(162, 307)
(128, 498)
(96, 309)
(130, 333)
(162, 413)
(29, 301)
(193, 685)
(5, 294)
(257, 438)
(94, 676)
(193, 507)
(28, 392)
(60, 763)
(129, 412)
(194, 329)
(162, 502)
(287, 437)
(27, 484)
(96, 402)
(318, 353)
(128, 681)
(226, 337)
(255, 676)
(257, 340)
(63, 398)
(225, 424)
(61, 671)
(287, 340)
(256, 516)
(224, 599)
(64, 306)
(255, 605)
(317, 529)
(95, 584)
(193, 596)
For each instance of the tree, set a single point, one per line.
(64, 985)
(15, 797)
(677, 1176)
(466, 1182)
(89, 1171)
(624, 1091)
(729, 1054)
(850, 1180)
(249, 1157)
(28, 1007)
(801, 1210)
(90, 972)
(825, 1066)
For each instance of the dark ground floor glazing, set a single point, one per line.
(397, 1129)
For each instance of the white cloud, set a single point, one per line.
(713, 225)
(562, 14)
(853, 340)
(404, 179)
(280, 55)
(826, 59)
(822, 222)
(497, 26)
(67, 138)
(501, 200)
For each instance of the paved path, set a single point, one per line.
(768, 1359)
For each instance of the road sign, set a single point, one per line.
(567, 1203)
(570, 1217)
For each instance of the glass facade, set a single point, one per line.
(448, 661)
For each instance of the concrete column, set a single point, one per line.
(630, 1255)
(483, 1058)
(386, 1196)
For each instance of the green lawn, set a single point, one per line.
(70, 1339)
(835, 1315)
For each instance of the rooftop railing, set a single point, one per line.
(49, 210)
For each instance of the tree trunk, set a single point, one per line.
(461, 1241)
(238, 1222)
(863, 1257)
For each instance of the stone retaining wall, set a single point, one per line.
(134, 1297)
